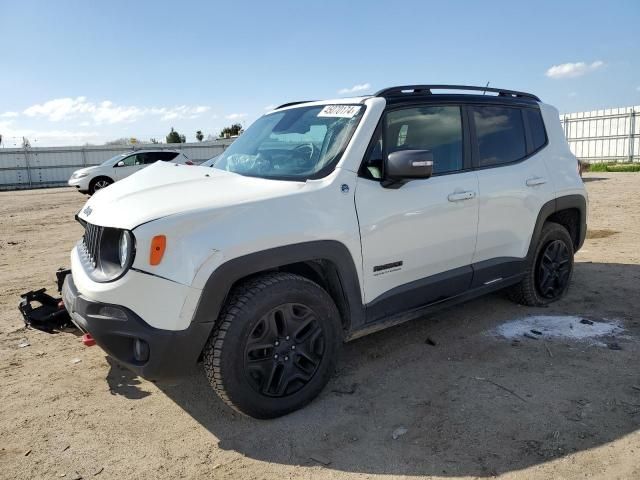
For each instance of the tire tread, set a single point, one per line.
(237, 303)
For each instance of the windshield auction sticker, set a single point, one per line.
(342, 111)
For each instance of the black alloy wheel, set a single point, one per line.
(554, 270)
(284, 350)
(549, 267)
(274, 346)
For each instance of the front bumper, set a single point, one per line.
(153, 353)
(82, 184)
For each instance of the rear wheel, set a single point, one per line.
(98, 184)
(275, 345)
(549, 270)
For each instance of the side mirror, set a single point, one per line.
(120, 163)
(405, 165)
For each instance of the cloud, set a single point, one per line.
(235, 116)
(60, 108)
(183, 111)
(9, 115)
(571, 70)
(107, 111)
(356, 88)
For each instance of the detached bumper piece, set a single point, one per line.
(50, 315)
(153, 353)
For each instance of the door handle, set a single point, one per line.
(459, 196)
(532, 182)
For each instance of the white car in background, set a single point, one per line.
(90, 179)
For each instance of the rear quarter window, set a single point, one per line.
(536, 128)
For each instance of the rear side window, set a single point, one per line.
(152, 157)
(147, 158)
(500, 135)
(166, 156)
(536, 128)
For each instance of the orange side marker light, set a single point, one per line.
(158, 244)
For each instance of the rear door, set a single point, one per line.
(513, 185)
(418, 240)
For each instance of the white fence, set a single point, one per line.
(51, 167)
(611, 135)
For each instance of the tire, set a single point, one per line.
(275, 345)
(99, 183)
(549, 269)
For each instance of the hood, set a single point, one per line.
(86, 169)
(164, 189)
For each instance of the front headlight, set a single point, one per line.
(107, 253)
(125, 248)
(79, 175)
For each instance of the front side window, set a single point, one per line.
(130, 161)
(295, 144)
(500, 135)
(437, 129)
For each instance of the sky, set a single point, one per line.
(76, 72)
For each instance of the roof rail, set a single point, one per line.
(290, 104)
(427, 90)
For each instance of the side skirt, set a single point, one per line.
(488, 276)
(433, 307)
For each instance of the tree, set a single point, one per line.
(199, 135)
(231, 131)
(153, 140)
(175, 137)
(119, 141)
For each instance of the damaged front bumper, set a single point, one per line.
(153, 353)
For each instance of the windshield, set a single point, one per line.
(113, 160)
(295, 144)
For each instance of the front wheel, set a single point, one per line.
(549, 270)
(98, 184)
(275, 345)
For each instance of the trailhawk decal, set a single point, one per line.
(387, 268)
(342, 111)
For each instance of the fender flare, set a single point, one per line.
(219, 284)
(556, 205)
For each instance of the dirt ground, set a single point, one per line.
(473, 405)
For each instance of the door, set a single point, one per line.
(418, 240)
(513, 185)
(129, 165)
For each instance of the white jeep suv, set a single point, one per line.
(90, 179)
(323, 222)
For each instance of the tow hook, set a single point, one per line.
(88, 340)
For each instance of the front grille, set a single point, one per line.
(91, 242)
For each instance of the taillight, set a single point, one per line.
(189, 162)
